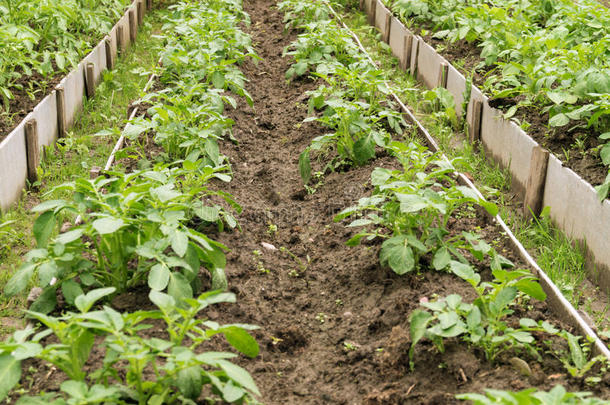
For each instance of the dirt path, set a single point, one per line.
(334, 327)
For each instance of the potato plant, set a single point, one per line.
(134, 229)
(482, 323)
(552, 54)
(410, 210)
(180, 371)
(47, 37)
(147, 226)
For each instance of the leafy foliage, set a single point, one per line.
(180, 370)
(49, 36)
(415, 205)
(482, 323)
(531, 396)
(134, 228)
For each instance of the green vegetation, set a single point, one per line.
(548, 54)
(179, 371)
(81, 149)
(556, 254)
(531, 396)
(145, 227)
(46, 38)
(410, 208)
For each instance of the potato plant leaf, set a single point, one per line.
(10, 373)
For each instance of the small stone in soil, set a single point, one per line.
(268, 246)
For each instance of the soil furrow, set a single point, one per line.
(334, 324)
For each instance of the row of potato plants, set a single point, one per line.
(48, 37)
(410, 208)
(548, 54)
(142, 228)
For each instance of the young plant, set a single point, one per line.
(134, 228)
(180, 370)
(531, 396)
(410, 209)
(482, 323)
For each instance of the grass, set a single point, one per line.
(75, 154)
(556, 254)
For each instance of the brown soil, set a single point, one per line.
(562, 142)
(23, 103)
(334, 324)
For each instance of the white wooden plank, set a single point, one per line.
(576, 209)
(508, 145)
(456, 84)
(74, 91)
(45, 114)
(428, 65)
(13, 167)
(397, 35)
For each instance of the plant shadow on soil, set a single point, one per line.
(334, 324)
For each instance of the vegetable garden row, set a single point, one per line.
(385, 262)
(557, 67)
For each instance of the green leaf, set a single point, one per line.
(559, 120)
(70, 290)
(107, 225)
(239, 375)
(179, 241)
(419, 321)
(10, 373)
(85, 302)
(504, 297)
(219, 279)
(76, 389)
(441, 258)
(465, 272)
(604, 153)
(397, 254)
(189, 381)
(158, 278)
(218, 79)
(241, 340)
(531, 288)
(69, 236)
(305, 166)
(46, 302)
(364, 150)
(20, 279)
(207, 213)
(43, 228)
(165, 302)
(179, 287)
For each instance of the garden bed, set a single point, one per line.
(334, 322)
(578, 212)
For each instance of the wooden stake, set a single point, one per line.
(109, 55)
(534, 189)
(133, 25)
(442, 75)
(362, 5)
(388, 26)
(121, 39)
(61, 111)
(32, 150)
(372, 12)
(95, 172)
(407, 46)
(414, 62)
(140, 8)
(477, 115)
(90, 80)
